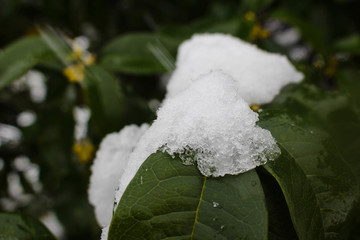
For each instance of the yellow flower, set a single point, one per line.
(330, 70)
(80, 58)
(258, 33)
(255, 108)
(75, 73)
(89, 59)
(84, 150)
(250, 16)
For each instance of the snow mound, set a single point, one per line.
(259, 75)
(210, 125)
(108, 166)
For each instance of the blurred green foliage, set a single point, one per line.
(135, 41)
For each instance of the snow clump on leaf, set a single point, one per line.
(259, 75)
(108, 166)
(208, 124)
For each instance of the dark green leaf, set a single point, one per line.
(309, 152)
(349, 83)
(21, 56)
(280, 224)
(20, 226)
(299, 195)
(350, 44)
(140, 53)
(335, 112)
(105, 99)
(167, 199)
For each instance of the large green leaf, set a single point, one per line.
(336, 112)
(105, 99)
(140, 53)
(309, 152)
(168, 200)
(21, 56)
(20, 226)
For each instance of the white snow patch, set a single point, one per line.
(51, 221)
(259, 75)
(288, 37)
(10, 135)
(108, 165)
(82, 117)
(35, 82)
(104, 233)
(209, 123)
(26, 118)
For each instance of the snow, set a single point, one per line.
(51, 221)
(104, 233)
(259, 75)
(35, 82)
(26, 118)
(81, 117)
(287, 37)
(209, 123)
(108, 165)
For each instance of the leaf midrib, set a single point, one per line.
(198, 207)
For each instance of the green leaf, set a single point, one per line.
(309, 152)
(350, 44)
(20, 226)
(280, 224)
(299, 195)
(20, 57)
(105, 99)
(336, 112)
(169, 200)
(140, 53)
(349, 83)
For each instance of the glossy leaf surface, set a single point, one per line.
(169, 200)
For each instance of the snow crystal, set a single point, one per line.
(108, 165)
(259, 75)
(210, 124)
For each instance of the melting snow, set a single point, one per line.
(108, 166)
(259, 75)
